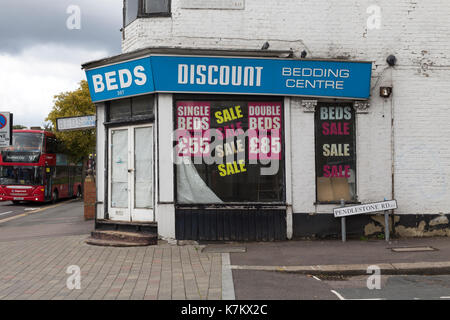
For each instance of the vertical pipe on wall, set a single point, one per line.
(392, 153)
(288, 166)
(101, 145)
(343, 224)
(155, 157)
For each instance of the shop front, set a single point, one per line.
(199, 144)
(230, 174)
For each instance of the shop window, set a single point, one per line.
(120, 110)
(142, 106)
(131, 109)
(335, 153)
(229, 151)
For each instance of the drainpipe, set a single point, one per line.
(392, 154)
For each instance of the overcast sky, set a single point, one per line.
(41, 57)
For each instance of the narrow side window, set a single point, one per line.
(335, 152)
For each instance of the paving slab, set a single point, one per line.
(335, 252)
(106, 272)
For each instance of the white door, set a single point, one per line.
(131, 173)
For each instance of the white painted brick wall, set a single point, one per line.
(416, 31)
(422, 131)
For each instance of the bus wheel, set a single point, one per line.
(55, 196)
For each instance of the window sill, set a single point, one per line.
(231, 205)
(155, 15)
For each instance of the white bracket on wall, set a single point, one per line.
(361, 106)
(309, 105)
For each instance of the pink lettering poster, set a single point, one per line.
(264, 135)
(193, 119)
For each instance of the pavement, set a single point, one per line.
(44, 256)
(40, 269)
(350, 258)
(43, 252)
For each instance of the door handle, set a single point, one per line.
(130, 170)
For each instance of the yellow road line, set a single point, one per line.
(35, 211)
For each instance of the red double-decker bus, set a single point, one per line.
(31, 169)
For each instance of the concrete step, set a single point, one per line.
(111, 243)
(128, 223)
(120, 238)
(126, 226)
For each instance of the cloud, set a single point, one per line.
(41, 57)
(29, 80)
(26, 23)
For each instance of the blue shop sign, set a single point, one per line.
(121, 80)
(191, 74)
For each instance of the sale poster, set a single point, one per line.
(335, 152)
(235, 133)
(193, 122)
(264, 125)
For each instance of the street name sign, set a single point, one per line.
(75, 123)
(5, 129)
(365, 208)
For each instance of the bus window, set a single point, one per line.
(26, 141)
(21, 175)
(50, 145)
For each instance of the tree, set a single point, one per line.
(80, 143)
(19, 127)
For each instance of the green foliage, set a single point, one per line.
(80, 143)
(19, 126)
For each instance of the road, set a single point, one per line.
(264, 285)
(411, 287)
(30, 220)
(8, 209)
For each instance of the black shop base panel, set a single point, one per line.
(230, 224)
